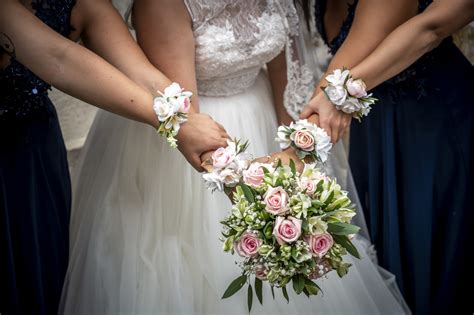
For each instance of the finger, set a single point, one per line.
(307, 111)
(221, 127)
(195, 161)
(314, 118)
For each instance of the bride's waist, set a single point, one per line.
(228, 85)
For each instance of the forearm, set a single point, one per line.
(89, 78)
(277, 73)
(106, 34)
(71, 67)
(374, 20)
(412, 40)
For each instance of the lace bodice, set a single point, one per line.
(234, 39)
(23, 95)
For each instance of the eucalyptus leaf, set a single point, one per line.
(249, 297)
(340, 228)
(285, 294)
(258, 290)
(347, 244)
(298, 283)
(293, 167)
(235, 286)
(248, 193)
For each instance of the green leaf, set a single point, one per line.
(273, 292)
(249, 297)
(306, 292)
(311, 287)
(235, 286)
(278, 163)
(248, 193)
(346, 243)
(285, 294)
(298, 284)
(340, 228)
(258, 290)
(293, 167)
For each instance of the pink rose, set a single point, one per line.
(287, 230)
(320, 243)
(356, 88)
(184, 104)
(261, 272)
(222, 157)
(248, 244)
(276, 200)
(253, 176)
(304, 140)
(308, 185)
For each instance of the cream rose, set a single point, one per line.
(303, 139)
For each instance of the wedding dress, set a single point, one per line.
(144, 230)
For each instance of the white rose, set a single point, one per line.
(338, 77)
(173, 90)
(213, 181)
(229, 177)
(351, 105)
(162, 109)
(283, 138)
(323, 144)
(336, 94)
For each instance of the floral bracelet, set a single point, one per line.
(227, 165)
(172, 108)
(306, 138)
(348, 94)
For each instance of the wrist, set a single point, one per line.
(171, 109)
(348, 94)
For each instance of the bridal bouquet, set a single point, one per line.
(288, 227)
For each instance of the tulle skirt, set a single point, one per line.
(145, 232)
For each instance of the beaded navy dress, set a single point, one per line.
(413, 164)
(35, 192)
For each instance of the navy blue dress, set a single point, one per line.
(35, 192)
(413, 163)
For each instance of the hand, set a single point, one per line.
(334, 121)
(198, 135)
(285, 157)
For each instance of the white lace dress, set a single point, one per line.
(145, 232)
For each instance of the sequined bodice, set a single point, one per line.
(23, 94)
(234, 39)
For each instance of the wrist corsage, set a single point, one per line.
(226, 165)
(348, 94)
(172, 109)
(306, 138)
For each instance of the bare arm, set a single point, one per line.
(278, 79)
(164, 32)
(373, 21)
(71, 67)
(413, 39)
(105, 33)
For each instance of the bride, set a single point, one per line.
(144, 231)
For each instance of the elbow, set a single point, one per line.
(430, 38)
